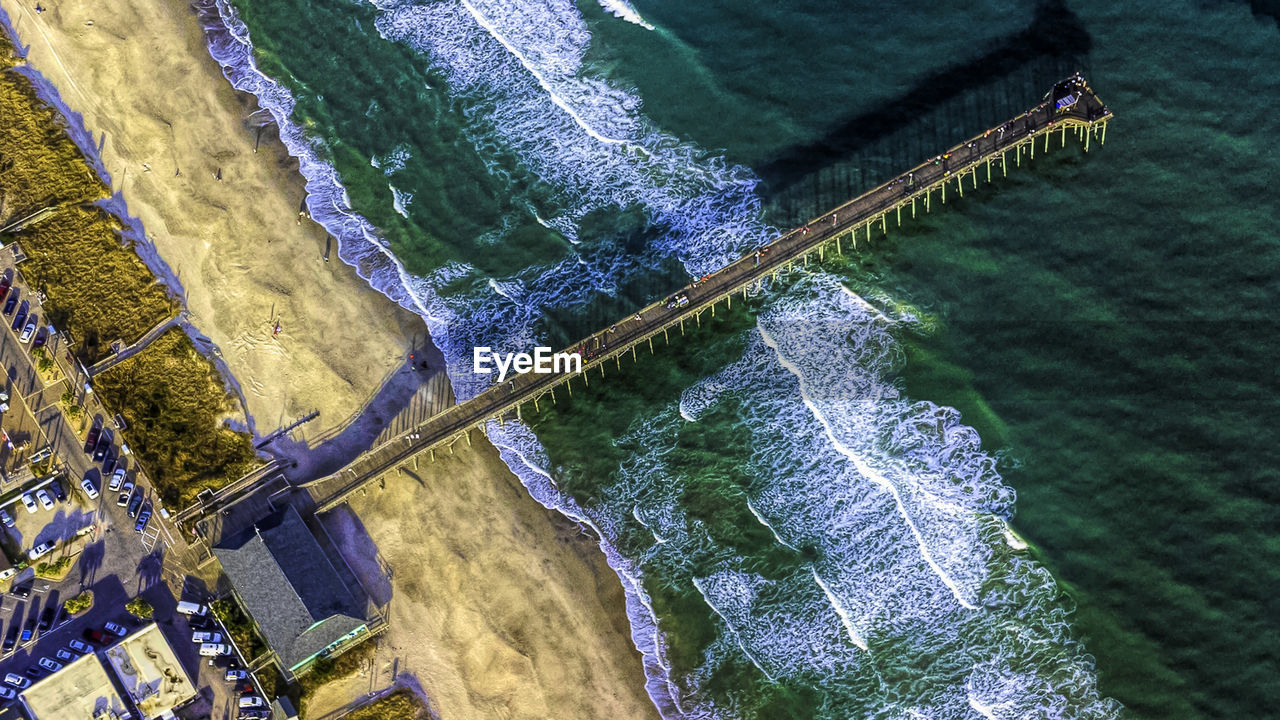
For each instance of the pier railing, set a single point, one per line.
(1069, 107)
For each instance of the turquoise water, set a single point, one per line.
(788, 490)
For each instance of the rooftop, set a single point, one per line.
(286, 582)
(80, 691)
(150, 672)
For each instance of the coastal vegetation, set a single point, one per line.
(96, 287)
(79, 603)
(399, 705)
(241, 628)
(174, 400)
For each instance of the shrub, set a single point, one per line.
(173, 399)
(79, 603)
(139, 608)
(399, 705)
(241, 628)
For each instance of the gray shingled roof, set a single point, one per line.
(288, 585)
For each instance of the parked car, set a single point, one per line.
(109, 462)
(190, 608)
(28, 332)
(4, 287)
(104, 444)
(117, 478)
(21, 318)
(40, 550)
(10, 640)
(125, 492)
(29, 630)
(206, 637)
(65, 655)
(11, 303)
(236, 675)
(116, 628)
(64, 617)
(255, 715)
(46, 502)
(143, 518)
(42, 337)
(29, 502)
(33, 671)
(7, 693)
(23, 590)
(6, 518)
(97, 636)
(135, 504)
(50, 664)
(91, 440)
(58, 492)
(80, 647)
(214, 649)
(46, 619)
(16, 680)
(89, 488)
(252, 701)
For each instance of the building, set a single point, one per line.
(80, 691)
(150, 673)
(284, 580)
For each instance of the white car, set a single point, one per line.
(252, 701)
(16, 680)
(45, 501)
(6, 693)
(213, 649)
(50, 664)
(41, 550)
(80, 647)
(65, 654)
(89, 489)
(206, 637)
(117, 479)
(28, 331)
(117, 629)
(29, 502)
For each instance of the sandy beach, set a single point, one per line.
(499, 607)
(140, 73)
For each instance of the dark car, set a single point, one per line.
(42, 337)
(46, 619)
(109, 462)
(143, 517)
(134, 505)
(4, 287)
(33, 671)
(11, 639)
(94, 635)
(104, 444)
(63, 617)
(91, 441)
(22, 591)
(20, 319)
(11, 303)
(61, 494)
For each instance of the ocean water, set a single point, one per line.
(811, 499)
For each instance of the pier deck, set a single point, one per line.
(865, 216)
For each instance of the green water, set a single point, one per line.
(1104, 321)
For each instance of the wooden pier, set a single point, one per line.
(1070, 108)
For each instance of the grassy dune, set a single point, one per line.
(173, 399)
(399, 705)
(97, 288)
(39, 164)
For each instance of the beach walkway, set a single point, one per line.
(1069, 108)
